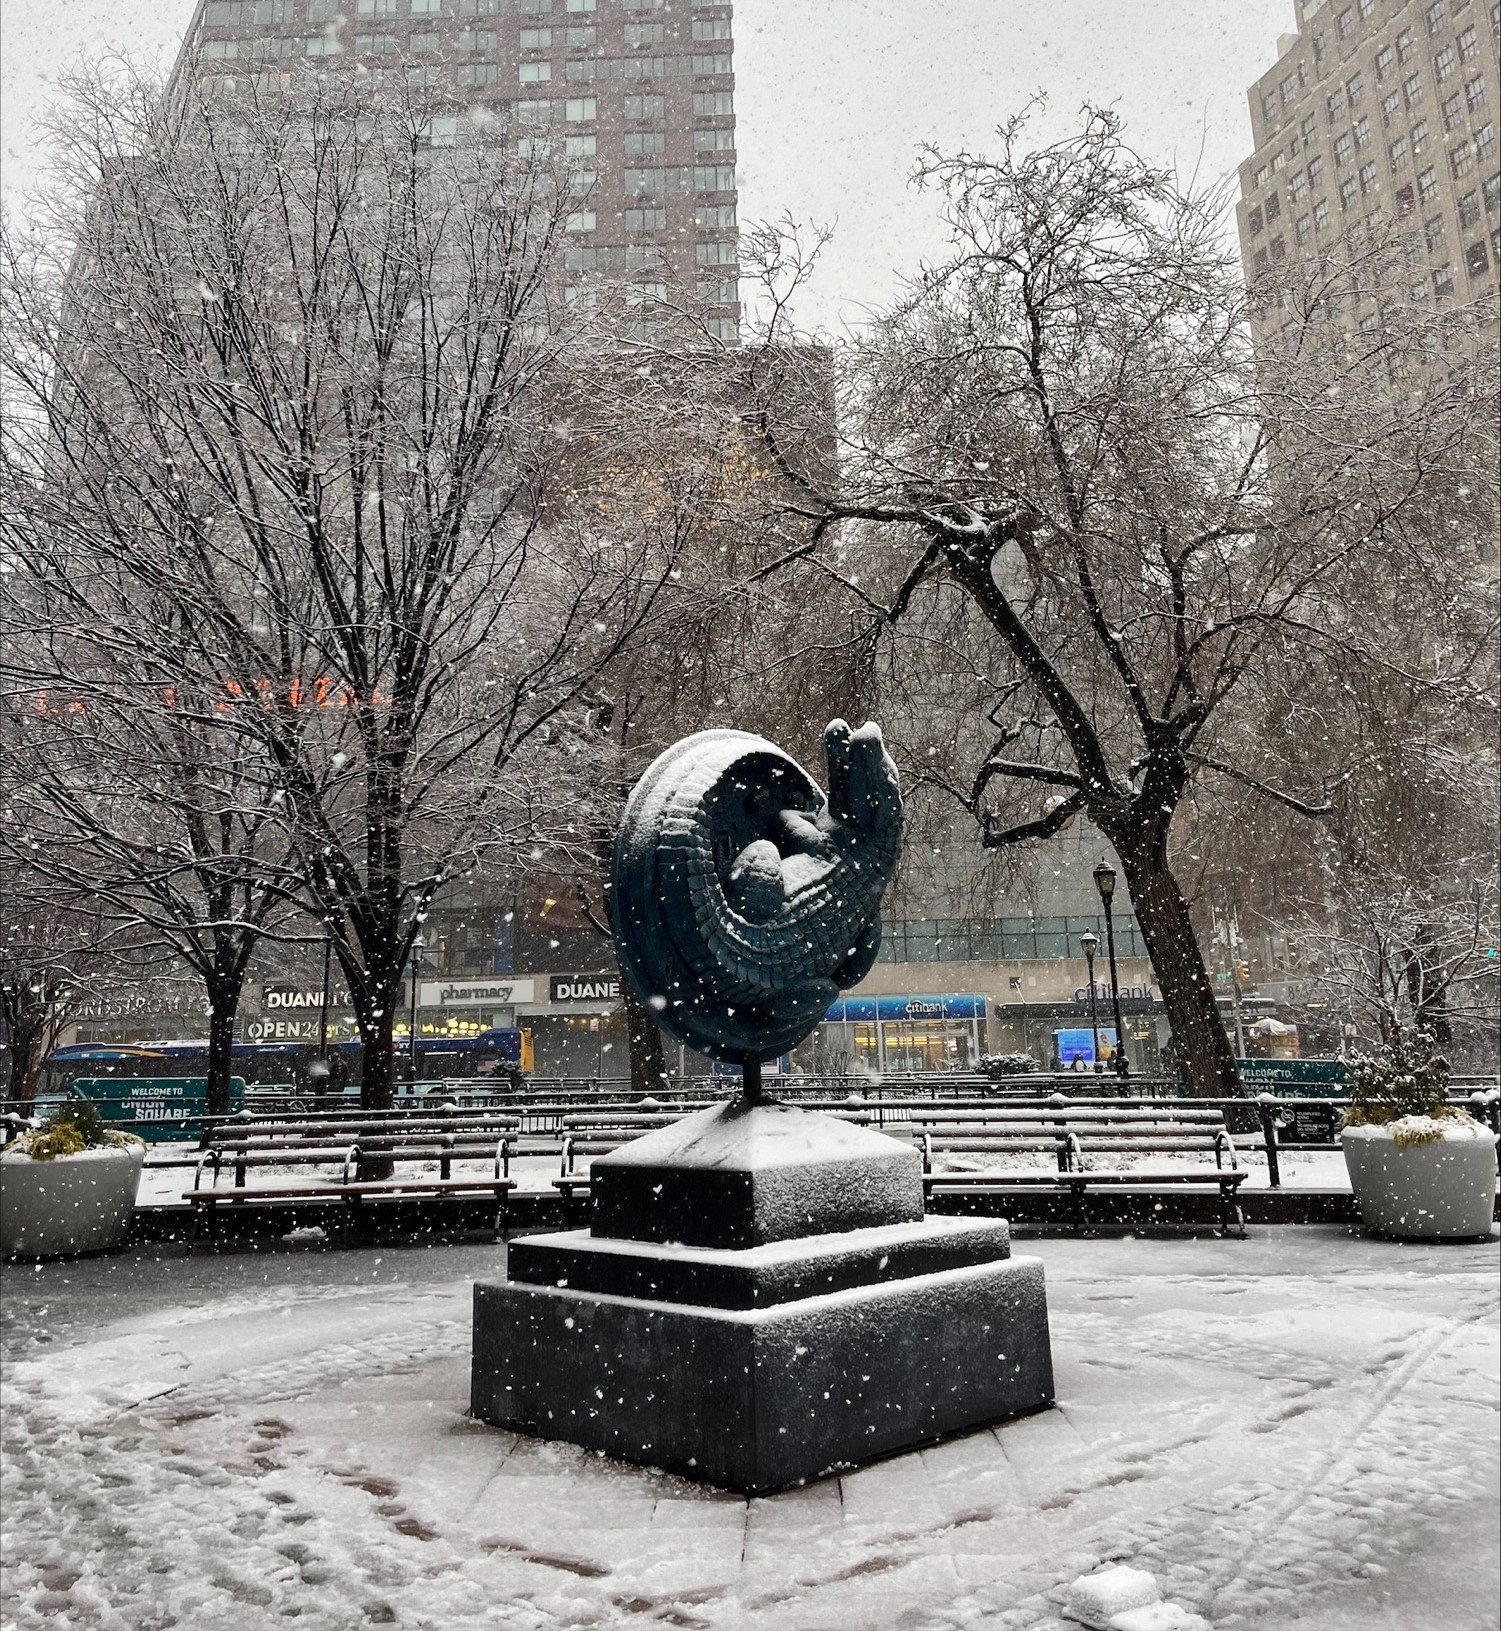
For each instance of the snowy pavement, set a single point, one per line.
(1293, 1432)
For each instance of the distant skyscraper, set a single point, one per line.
(1378, 125)
(636, 95)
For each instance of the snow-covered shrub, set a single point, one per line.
(1404, 1083)
(996, 1065)
(70, 1129)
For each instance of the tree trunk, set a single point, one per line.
(223, 1005)
(377, 1075)
(1200, 1045)
(648, 1060)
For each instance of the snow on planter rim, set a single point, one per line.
(1450, 1129)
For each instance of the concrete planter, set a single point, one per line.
(1444, 1190)
(75, 1203)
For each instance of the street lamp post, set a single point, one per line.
(1090, 943)
(1104, 881)
(417, 950)
(323, 1000)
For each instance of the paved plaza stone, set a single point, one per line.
(1293, 1432)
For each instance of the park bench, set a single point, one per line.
(443, 1137)
(1074, 1138)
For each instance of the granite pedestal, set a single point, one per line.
(722, 1319)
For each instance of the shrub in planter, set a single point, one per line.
(69, 1185)
(1417, 1165)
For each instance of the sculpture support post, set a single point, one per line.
(750, 1079)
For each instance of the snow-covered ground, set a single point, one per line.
(1293, 1432)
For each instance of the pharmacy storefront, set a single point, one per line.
(896, 1034)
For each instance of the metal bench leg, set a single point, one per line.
(1076, 1207)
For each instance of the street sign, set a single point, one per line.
(160, 1109)
(1300, 1079)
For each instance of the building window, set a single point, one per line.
(1476, 260)
(709, 104)
(1428, 186)
(1446, 63)
(724, 253)
(645, 220)
(374, 45)
(644, 107)
(645, 141)
(1461, 160)
(718, 28)
(581, 221)
(1335, 105)
(424, 42)
(1436, 16)
(1345, 22)
(1443, 280)
(1362, 132)
(1347, 195)
(714, 217)
(1321, 215)
(1406, 203)
(1279, 249)
(1273, 207)
(581, 183)
(581, 5)
(580, 110)
(485, 8)
(1491, 188)
(1406, 45)
(1344, 149)
(714, 178)
(534, 39)
(1303, 230)
(1297, 186)
(1469, 46)
(713, 141)
(1386, 60)
(644, 34)
(645, 294)
(1485, 141)
(478, 73)
(1367, 10)
(1475, 95)
(1453, 111)
(1412, 91)
(1391, 109)
(1469, 209)
(1368, 178)
(1433, 233)
(1355, 89)
(1398, 153)
(536, 73)
(1419, 134)
(643, 5)
(1315, 171)
(1269, 107)
(375, 8)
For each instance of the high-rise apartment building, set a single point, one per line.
(1378, 125)
(636, 96)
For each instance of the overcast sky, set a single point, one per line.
(834, 96)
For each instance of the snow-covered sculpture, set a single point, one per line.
(742, 898)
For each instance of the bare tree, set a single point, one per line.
(1060, 455)
(304, 380)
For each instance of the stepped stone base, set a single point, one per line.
(758, 1368)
